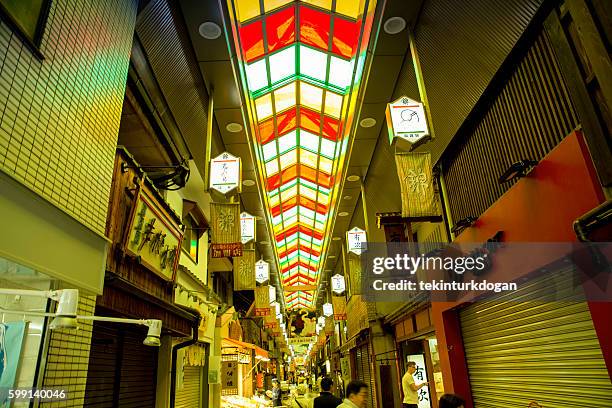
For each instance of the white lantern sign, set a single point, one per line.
(225, 173)
(262, 271)
(406, 119)
(328, 309)
(337, 284)
(247, 227)
(356, 241)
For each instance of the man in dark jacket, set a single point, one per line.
(326, 399)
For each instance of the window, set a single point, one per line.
(191, 237)
(195, 224)
(27, 18)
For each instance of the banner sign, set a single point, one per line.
(328, 309)
(262, 271)
(225, 230)
(262, 301)
(406, 119)
(420, 376)
(356, 241)
(339, 303)
(244, 271)
(247, 227)
(329, 327)
(225, 173)
(416, 184)
(354, 263)
(301, 340)
(229, 378)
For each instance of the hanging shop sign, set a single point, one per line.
(270, 322)
(337, 284)
(262, 271)
(406, 120)
(416, 184)
(229, 378)
(244, 271)
(225, 173)
(301, 340)
(247, 227)
(328, 309)
(262, 301)
(329, 327)
(420, 376)
(154, 235)
(339, 303)
(272, 292)
(356, 241)
(225, 230)
(354, 263)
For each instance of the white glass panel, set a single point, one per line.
(272, 168)
(288, 159)
(309, 140)
(328, 148)
(313, 63)
(269, 150)
(308, 158)
(311, 96)
(282, 64)
(257, 77)
(340, 72)
(284, 97)
(287, 142)
(333, 104)
(263, 107)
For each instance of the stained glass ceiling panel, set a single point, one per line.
(298, 62)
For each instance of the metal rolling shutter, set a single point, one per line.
(190, 395)
(138, 372)
(541, 349)
(363, 372)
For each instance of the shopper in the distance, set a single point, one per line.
(326, 399)
(356, 395)
(451, 401)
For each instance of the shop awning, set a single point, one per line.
(241, 345)
(261, 353)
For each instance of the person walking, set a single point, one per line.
(411, 390)
(276, 393)
(356, 395)
(326, 399)
(451, 401)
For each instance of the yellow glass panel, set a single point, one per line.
(323, 199)
(325, 164)
(263, 106)
(311, 96)
(247, 9)
(290, 192)
(350, 8)
(288, 159)
(274, 200)
(325, 4)
(308, 158)
(284, 97)
(272, 4)
(333, 104)
(308, 193)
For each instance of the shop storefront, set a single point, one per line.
(491, 346)
(416, 341)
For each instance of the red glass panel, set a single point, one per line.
(280, 28)
(273, 182)
(310, 120)
(309, 174)
(266, 131)
(345, 38)
(312, 205)
(287, 205)
(331, 128)
(251, 38)
(286, 121)
(314, 28)
(311, 232)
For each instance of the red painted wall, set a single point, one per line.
(539, 208)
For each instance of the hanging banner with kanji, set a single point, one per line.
(339, 303)
(270, 321)
(416, 184)
(262, 301)
(229, 378)
(329, 326)
(355, 273)
(225, 230)
(244, 270)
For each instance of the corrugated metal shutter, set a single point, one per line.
(138, 372)
(542, 350)
(189, 396)
(362, 362)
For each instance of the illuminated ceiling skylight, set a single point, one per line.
(301, 65)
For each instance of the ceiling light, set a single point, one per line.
(343, 214)
(210, 30)
(347, 197)
(336, 239)
(367, 122)
(394, 25)
(331, 256)
(248, 183)
(233, 127)
(353, 177)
